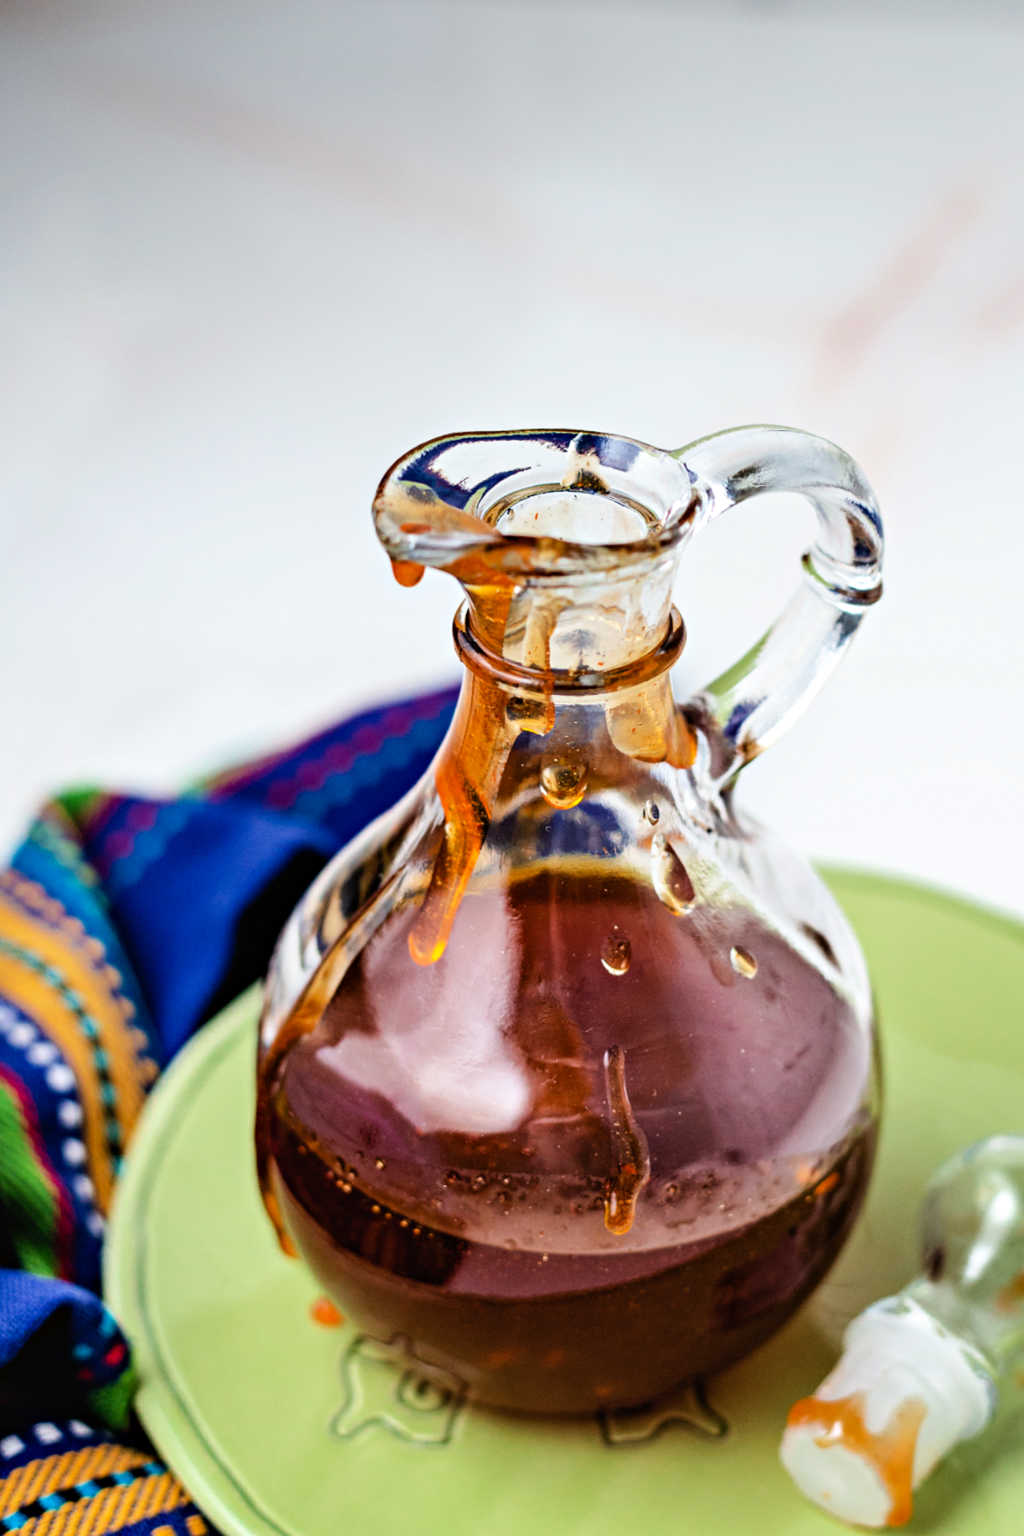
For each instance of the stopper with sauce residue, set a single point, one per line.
(903, 1394)
(923, 1370)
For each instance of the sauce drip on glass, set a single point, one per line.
(890, 1452)
(629, 1147)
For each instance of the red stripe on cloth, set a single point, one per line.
(394, 721)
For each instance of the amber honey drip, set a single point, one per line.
(469, 769)
(890, 1452)
(324, 1312)
(406, 572)
(645, 724)
(629, 1147)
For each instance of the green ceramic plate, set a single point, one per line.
(279, 1425)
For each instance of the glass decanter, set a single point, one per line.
(567, 1069)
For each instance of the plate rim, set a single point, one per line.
(158, 1402)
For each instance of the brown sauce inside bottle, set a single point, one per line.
(571, 1183)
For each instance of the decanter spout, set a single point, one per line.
(565, 542)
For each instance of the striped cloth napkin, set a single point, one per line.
(126, 923)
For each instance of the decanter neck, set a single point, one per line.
(564, 635)
(533, 660)
(566, 543)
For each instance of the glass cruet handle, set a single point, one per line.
(763, 693)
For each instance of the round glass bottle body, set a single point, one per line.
(568, 1071)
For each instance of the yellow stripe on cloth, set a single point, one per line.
(41, 972)
(111, 1509)
(37, 903)
(49, 1473)
(194, 1524)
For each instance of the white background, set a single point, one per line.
(250, 252)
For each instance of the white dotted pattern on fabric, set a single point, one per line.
(23, 1034)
